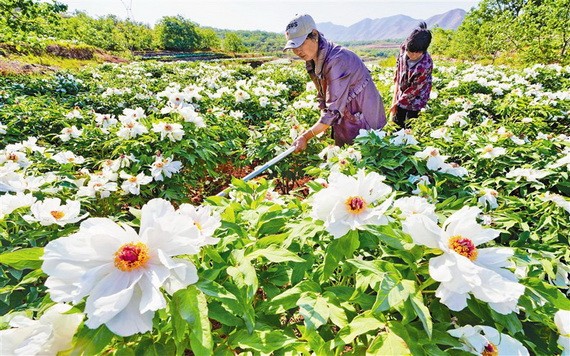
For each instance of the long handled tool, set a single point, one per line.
(261, 169)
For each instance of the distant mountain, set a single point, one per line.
(392, 27)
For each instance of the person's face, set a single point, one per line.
(414, 56)
(307, 50)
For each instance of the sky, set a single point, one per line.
(265, 15)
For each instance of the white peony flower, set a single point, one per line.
(435, 161)
(190, 115)
(463, 268)
(457, 118)
(98, 184)
(348, 203)
(403, 137)
(120, 271)
(68, 133)
(488, 197)
(491, 152)
(415, 205)
(50, 334)
(531, 175)
(7, 156)
(132, 115)
(66, 157)
(205, 219)
(11, 202)
(104, 121)
(561, 162)
(164, 166)
(132, 184)
(173, 132)
(365, 133)
(557, 199)
(562, 321)
(485, 340)
(443, 133)
(130, 128)
(50, 211)
(454, 169)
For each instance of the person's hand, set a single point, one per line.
(300, 144)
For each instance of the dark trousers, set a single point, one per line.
(402, 117)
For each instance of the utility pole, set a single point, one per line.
(128, 4)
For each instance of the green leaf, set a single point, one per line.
(423, 312)
(263, 341)
(548, 292)
(392, 293)
(314, 339)
(151, 348)
(91, 341)
(275, 254)
(217, 312)
(191, 306)
(245, 278)
(388, 344)
(218, 292)
(510, 321)
(24, 258)
(361, 324)
(314, 309)
(339, 250)
(288, 299)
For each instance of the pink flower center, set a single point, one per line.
(168, 127)
(131, 256)
(490, 350)
(355, 205)
(463, 246)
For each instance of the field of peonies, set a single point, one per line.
(451, 237)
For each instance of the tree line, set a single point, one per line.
(510, 31)
(498, 31)
(25, 20)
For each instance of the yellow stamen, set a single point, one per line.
(463, 246)
(355, 205)
(131, 256)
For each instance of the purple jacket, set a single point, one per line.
(348, 98)
(414, 83)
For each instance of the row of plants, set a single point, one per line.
(449, 237)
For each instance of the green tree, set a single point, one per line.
(233, 43)
(526, 31)
(177, 33)
(209, 40)
(29, 16)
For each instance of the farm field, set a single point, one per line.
(449, 238)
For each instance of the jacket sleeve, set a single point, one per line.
(418, 82)
(338, 81)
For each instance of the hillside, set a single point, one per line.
(392, 27)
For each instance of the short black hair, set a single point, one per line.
(419, 40)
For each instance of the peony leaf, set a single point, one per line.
(275, 254)
(24, 258)
(314, 309)
(339, 250)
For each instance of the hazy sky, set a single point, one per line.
(267, 15)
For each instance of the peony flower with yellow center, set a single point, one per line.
(122, 273)
(487, 341)
(464, 269)
(350, 202)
